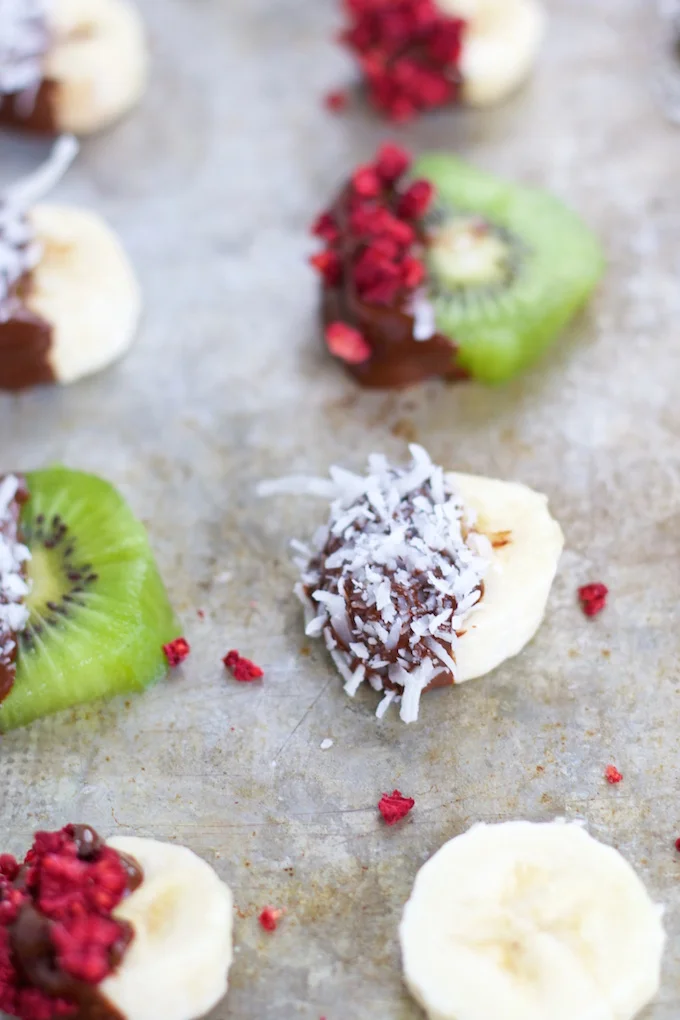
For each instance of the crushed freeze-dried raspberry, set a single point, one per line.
(336, 102)
(612, 775)
(177, 651)
(677, 845)
(408, 51)
(593, 598)
(242, 669)
(73, 882)
(394, 806)
(374, 244)
(269, 918)
(347, 343)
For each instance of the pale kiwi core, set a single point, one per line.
(467, 252)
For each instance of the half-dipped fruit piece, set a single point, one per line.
(453, 273)
(423, 579)
(83, 611)
(131, 929)
(416, 55)
(69, 299)
(528, 922)
(69, 65)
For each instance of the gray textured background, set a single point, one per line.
(212, 185)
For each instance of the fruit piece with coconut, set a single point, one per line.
(69, 300)
(129, 929)
(417, 55)
(423, 578)
(83, 611)
(447, 272)
(70, 65)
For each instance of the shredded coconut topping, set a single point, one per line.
(389, 582)
(20, 252)
(13, 587)
(24, 40)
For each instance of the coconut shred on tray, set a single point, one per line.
(393, 579)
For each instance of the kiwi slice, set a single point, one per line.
(99, 613)
(508, 267)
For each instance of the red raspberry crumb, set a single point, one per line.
(677, 845)
(612, 775)
(242, 669)
(177, 651)
(9, 866)
(269, 918)
(408, 52)
(392, 162)
(394, 806)
(336, 102)
(593, 598)
(347, 343)
(366, 182)
(328, 264)
(415, 202)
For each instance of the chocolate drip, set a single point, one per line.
(32, 112)
(397, 359)
(25, 342)
(33, 952)
(10, 529)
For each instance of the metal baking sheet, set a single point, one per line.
(212, 184)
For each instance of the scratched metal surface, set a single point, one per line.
(211, 185)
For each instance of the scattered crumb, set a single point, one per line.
(394, 806)
(200, 614)
(677, 845)
(612, 775)
(269, 918)
(242, 669)
(325, 744)
(176, 651)
(336, 101)
(593, 598)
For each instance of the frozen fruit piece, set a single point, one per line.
(69, 299)
(146, 926)
(422, 594)
(508, 267)
(68, 66)
(99, 614)
(524, 921)
(612, 775)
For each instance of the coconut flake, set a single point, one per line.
(13, 586)
(396, 564)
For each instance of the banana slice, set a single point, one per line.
(530, 922)
(526, 547)
(85, 288)
(178, 963)
(422, 579)
(501, 44)
(98, 61)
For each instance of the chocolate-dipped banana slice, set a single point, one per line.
(132, 929)
(69, 65)
(69, 299)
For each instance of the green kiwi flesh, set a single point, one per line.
(508, 267)
(99, 611)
